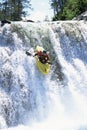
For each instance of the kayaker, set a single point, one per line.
(43, 56)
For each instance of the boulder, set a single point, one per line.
(82, 16)
(4, 22)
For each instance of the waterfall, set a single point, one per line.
(31, 100)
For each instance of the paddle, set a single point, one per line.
(28, 53)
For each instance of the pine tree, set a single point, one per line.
(57, 5)
(13, 9)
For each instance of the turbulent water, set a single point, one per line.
(28, 99)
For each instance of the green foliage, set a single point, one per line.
(71, 9)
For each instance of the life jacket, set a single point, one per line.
(43, 57)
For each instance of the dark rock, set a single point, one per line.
(4, 22)
(30, 21)
(83, 16)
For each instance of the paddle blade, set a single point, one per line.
(28, 53)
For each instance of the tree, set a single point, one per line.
(74, 8)
(57, 5)
(3, 9)
(13, 9)
(71, 9)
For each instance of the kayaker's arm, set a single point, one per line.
(35, 54)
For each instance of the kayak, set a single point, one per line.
(44, 68)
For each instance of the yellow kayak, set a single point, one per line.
(44, 68)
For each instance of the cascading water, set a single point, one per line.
(30, 100)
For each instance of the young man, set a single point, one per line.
(43, 56)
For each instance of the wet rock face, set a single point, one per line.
(83, 16)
